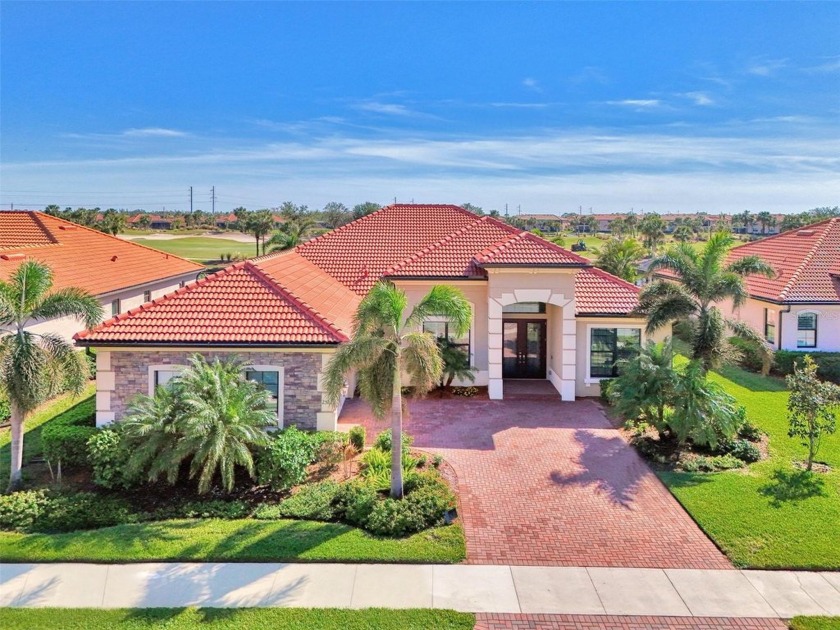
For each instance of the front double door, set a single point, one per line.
(523, 348)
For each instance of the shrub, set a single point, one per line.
(376, 467)
(330, 450)
(5, 411)
(212, 508)
(748, 431)
(315, 502)
(744, 450)
(427, 500)
(703, 411)
(393, 517)
(437, 460)
(282, 464)
(467, 391)
(711, 464)
(267, 512)
(828, 363)
(357, 437)
(83, 510)
(383, 441)
(751, 356)
(20, 510)
(108, 456)
(66, 444)
(354, 502)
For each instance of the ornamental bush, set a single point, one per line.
(315, 502)
(355, 501)
(83, 510)
(383, 441)
(20, 510)
(108, 455)
(828, 363)
(282, 464)
(357, 437)
(66, 445)
(744, 450)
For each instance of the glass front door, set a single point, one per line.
(523, 348)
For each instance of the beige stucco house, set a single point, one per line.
(539, 311)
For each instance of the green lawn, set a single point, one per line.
(233, 619)
(594, 243)
(769, 515)
(32, 435)
(199, 248)
(244, 540)
(815, 623)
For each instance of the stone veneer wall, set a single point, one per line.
(301, 398)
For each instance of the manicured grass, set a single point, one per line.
(233, 619)
(32, 428)
(594, 243)
(769, 515)
(244, 540)
(199, 248)
(815, 623)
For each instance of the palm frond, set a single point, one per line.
(443, 301)
(32, 281)
(751, 265)
(358, 354)
(381, 310)
(422, 361)
(70, 302)
(662, 302)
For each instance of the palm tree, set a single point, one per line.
(290, 235)
(765, 219)
(385, 344)
(621, 257)
(744, 219)
(207, 416)
(32, 364)
(259, 224)
(683, 233)
(705, 281)
(113, 222)
(652, 228)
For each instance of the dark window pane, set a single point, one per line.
(525, 307)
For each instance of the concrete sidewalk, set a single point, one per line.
(468, 588)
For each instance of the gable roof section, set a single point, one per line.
(807, 263)
(526, 249)
(359, 253)
(82, 257)
(600, 293)
(239, 305)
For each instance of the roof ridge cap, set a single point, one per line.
(286, 293)
(494, 248)
(794, 278)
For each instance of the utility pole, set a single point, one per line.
(191, 200)
(213, 198)
(506, 210)
(519, 209)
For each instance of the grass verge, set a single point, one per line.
(770, 515)
(815, 623)
(233, 619)
(245, 540)
(199, 248)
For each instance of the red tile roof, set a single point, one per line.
(238, 305)
(309, 295)
(807, 262)
(600, 293)
(82, 257)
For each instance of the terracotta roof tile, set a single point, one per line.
(82, 257)
(807, 262)
(238, 305)
(525, 248)
(600, 293)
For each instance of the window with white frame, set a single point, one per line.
(116, 308)
(806, 330)
(608, 346)
(271, 378)
(161, 375)
(442, 329)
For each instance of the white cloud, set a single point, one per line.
(153, 132)
(531, 84)
(637, 102)
(828, 66)
(766, 67)
(390, 109)
(699, 98)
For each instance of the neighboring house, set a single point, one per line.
(544, 222)
(540, 311)
(121, 274)
(799, 309)
(156, 222)
(225, 221)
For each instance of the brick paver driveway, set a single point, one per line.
(543, 482)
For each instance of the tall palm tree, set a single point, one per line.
(705, 279)
(621, 257)
(290, 235)
(259, 224)
(385, 344)
(765, 220)
(683, 233)
(652, 228)
(32, 364)
(207, 416)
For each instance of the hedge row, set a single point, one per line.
(64, 439)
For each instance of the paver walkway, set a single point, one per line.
(546, 482)
(492, 589)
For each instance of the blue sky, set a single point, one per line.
(547, 106)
